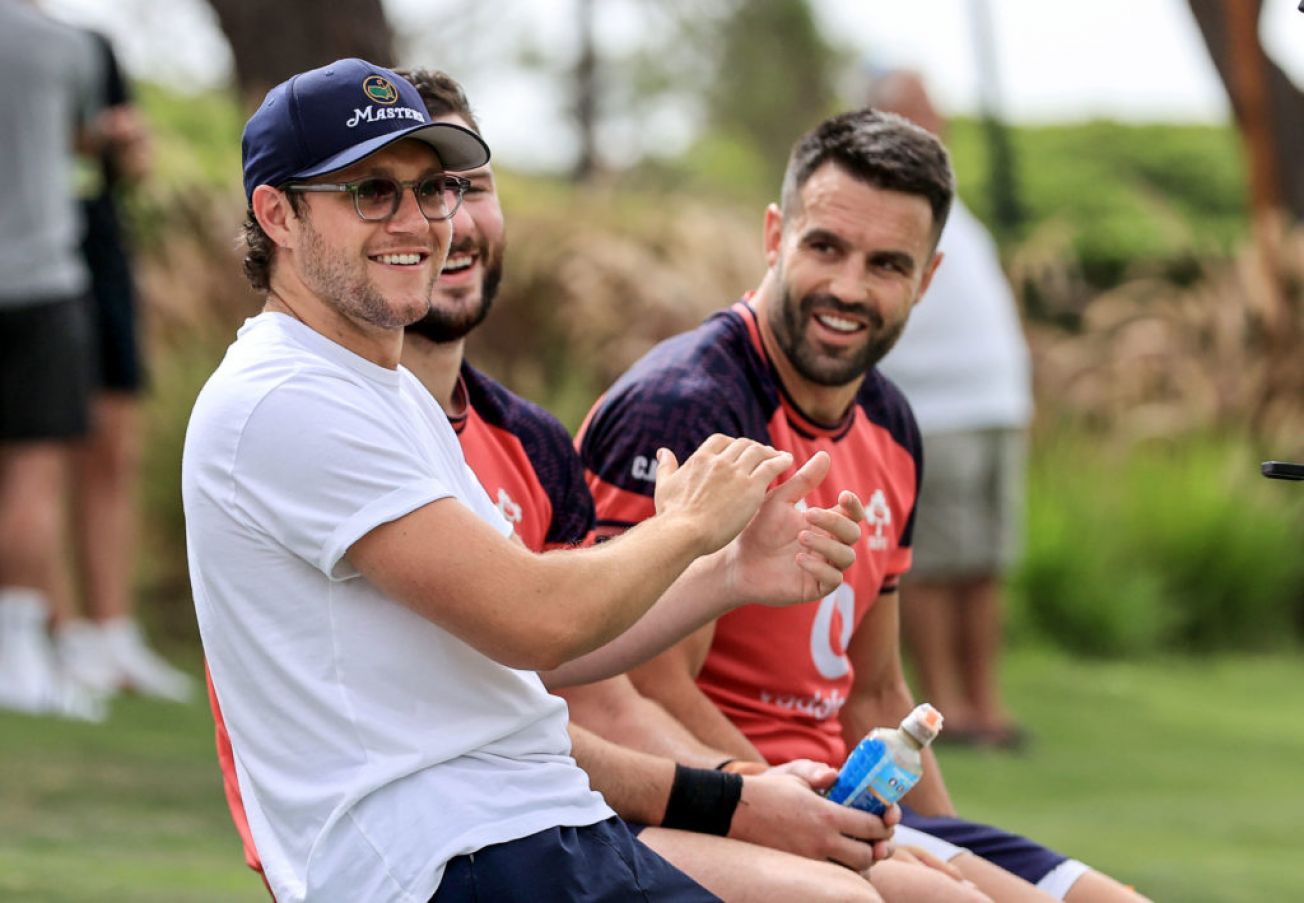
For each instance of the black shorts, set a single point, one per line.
(601, 862)
(45, 370)
(113, 301)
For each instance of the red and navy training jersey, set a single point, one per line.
(781, 675)
(524, 459)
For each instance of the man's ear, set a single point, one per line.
(272, 210)
(773, 234)
(929, 271)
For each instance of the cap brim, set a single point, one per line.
(459, 149)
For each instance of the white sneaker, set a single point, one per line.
(139, 667)
(80, 647)
(30, 680)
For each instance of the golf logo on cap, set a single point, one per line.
(380, 89)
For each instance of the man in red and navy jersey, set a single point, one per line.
(850, 249)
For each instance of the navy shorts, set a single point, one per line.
(601, 862)
(1019, 855)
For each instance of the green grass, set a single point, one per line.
(131, 810)
(1181, 776)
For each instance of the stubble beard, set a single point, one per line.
(345, 288)
(449, 326)
(789, 322)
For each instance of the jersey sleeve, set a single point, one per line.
(557, 466)
(318, 484)
(894, 411)
(619, 442)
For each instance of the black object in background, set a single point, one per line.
(1282, 470)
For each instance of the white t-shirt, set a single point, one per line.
(962, 361)
(370, 745)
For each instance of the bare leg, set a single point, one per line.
(903, 882)
(928, 621)
(33, 477)
(112, 653)
(739, 872)
(33, 582)
(978, 616)
(106, 478)
(1095, 887)
(997, 883)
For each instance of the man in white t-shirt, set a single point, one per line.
(963, 364)
(372, 633)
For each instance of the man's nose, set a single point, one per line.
(408, 217)
(463, 223)
(850, 285)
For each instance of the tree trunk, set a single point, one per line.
(1270, 112)
(1278, 112)
(1007, 211)
(586, 95)
(272, 41)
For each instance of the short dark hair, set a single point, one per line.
(882, 149)
(442, 94)
(259, 248)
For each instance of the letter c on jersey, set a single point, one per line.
(831, 663)
(645, 469)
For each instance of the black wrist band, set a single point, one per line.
(703, 800)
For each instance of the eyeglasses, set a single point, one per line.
(378, 198)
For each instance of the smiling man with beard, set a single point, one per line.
(850, 250)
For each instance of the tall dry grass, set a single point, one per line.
(1216, 347)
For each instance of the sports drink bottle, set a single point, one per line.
(886, 764)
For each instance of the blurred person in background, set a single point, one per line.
(963, 365)
(107, 651)
(51, 98)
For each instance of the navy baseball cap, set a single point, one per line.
(329, 118)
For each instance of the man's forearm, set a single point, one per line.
(615, 710)
(697, 597)
(521, 609)
(681, 697)
(538, 612)
(635, 784)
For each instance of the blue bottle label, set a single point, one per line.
(870, 780)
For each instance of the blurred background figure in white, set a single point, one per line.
(963, 363)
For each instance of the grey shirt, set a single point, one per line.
(51, 74)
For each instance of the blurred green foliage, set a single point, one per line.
(774, 80)
(1132, 195)
(1175, 545)
(196, 137)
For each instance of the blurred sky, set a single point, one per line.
(1059, 61)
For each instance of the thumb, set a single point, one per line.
(851, 505)
(667, 463)
(810, 475)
